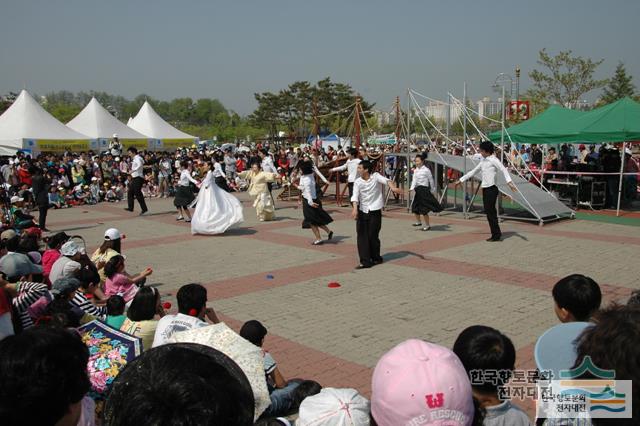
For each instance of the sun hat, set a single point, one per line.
(418, 382)
(115, 135)
(16, 199)
(112, 234)
(344, 407)
(65, 285)
(18, 265)
(8, 234)
(94, 179)
(555, 349)
(71, 248)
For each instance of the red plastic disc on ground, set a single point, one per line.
(334, 285)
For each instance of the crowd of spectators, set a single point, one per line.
(48, 289)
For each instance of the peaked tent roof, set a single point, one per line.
(615, 122)
(26, 119)
(543, 128)
(94, 120)
(148, 122)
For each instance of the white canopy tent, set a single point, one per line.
(27, 126)
(94, 120)
(148, 122)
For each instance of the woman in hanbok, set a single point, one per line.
(259, 189)
(216, 210)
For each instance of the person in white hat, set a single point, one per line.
(69, 262)
(334, 407)
(115, 147)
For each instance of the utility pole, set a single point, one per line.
(517, 93)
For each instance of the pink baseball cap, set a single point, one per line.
(420, 383)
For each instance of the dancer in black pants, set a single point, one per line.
(136, 182)
(489, 166)
(368, 201)
(40, 185)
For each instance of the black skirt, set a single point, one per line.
(314, 216)
(424, 202)
(222, 183)
(183, 197)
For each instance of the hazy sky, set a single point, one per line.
(231, 49)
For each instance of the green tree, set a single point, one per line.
(620, 86)
(563, 79)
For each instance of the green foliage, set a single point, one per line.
(620, 86)
(292, 109)
(564, 78)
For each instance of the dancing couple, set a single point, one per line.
(216, 210)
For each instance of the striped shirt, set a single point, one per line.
(81, 301)
(28, 293)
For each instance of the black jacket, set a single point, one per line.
(41, 186)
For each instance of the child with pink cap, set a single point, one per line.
(420, 383)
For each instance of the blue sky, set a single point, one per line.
(231, 49)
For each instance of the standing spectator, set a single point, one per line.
(40, 186)
(115, 147)
(164, 174)
(230, 165)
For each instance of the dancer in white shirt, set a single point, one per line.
(218, 174)
(136, 181)
(423, 201)
(216, 210)
(184, 195)
(351, 166)
(490, 166)
(314, 215)
(368, 201)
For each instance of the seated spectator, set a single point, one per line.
(118, 282)
(576, 298)
(44, 379)
(21, 219)
(613, 344)
(55, 200)
(192, 310)
(280, 391)
(23, 293)
(421, 383)
(115, 312)
(140, 320)
(57, 302)
(180, 384)
(335, 407)
(81, 301)
(484, 349)
(111, 246)
(52, 254)
(68, 265)
(305, 389)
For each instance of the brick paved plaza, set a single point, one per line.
(431, 286)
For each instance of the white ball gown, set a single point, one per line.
(216, 210)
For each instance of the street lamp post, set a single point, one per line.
(501, 80)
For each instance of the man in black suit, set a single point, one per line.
(41, 185)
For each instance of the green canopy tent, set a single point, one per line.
(615, 122)
(544, 128)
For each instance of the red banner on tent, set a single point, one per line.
(518, 110)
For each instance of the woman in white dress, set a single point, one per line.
(216, 210)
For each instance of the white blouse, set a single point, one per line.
(185, 178)
(307, 186)
(422, 177)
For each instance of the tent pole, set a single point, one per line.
(624, 146)
(464, 149)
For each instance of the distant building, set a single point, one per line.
(487, 108)
(384, 118)
(439, 111)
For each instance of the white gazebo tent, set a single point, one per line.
(167, 137)
(94, 120)
(27, 126)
